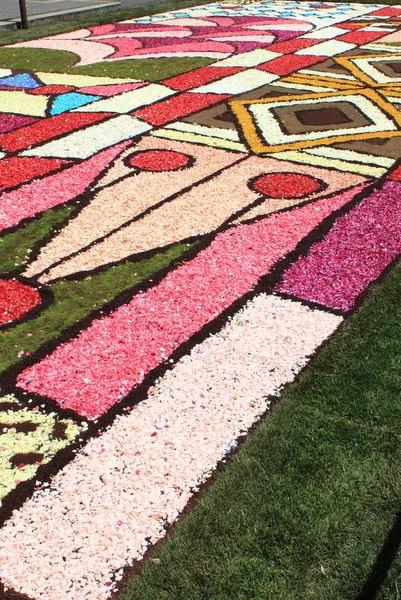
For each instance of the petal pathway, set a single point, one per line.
(125, 485)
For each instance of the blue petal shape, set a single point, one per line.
(66, 102)
(22, 80)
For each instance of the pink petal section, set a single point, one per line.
(141, 29)
(222, 21)
(200, 210)
(78, 34)
(120, 349)
(355, 252)
(161, 32)
(111, 90)
(125, 485)
(123, 46)
(31, 199)
(129, 197)
(188, 22)
(245, 37)
(103, 29)
(211, 49)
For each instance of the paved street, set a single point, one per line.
(40, 9)
(10, 11)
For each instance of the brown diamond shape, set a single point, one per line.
(322, 116)
(390, 68)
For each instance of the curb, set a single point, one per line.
(62, 14)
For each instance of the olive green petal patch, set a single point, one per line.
(147, 69)
(37, 59)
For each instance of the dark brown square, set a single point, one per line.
(227, 117)
(301, 118)
(395, 66)
(322, 116)
(221, 116)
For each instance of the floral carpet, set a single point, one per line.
(173, 253)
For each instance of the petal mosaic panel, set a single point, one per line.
(172, 253)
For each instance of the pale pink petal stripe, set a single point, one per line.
(120, 349)
(124, 486)
(200, 210)
(129, 197)
(43, 194)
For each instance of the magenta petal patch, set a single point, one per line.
(354, 253)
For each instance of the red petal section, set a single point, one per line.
(51, 90)
(16, 299)
(293, 45)
(361, 37)
(284, 65)
(159, 160)
(286, 185)
(387, 11)
(198, 77)
(178, 106)
(20, 169)
(48, 129)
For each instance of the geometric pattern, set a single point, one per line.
(290, 9)
(212, 38)
(275, 124)
(376, 70)
(159, 282)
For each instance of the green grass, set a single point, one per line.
(391, 589)
(73, 300)
(150, 69)
(57, 61)
(38, 30)
(302, 510)
(34, 59)
(63, 62)
(15, 247)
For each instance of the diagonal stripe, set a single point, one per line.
(120, 349)
(125, 486)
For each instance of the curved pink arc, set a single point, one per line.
(123, 46)
(193, 48)
(120, 349)
(103, 29)
(88, 51)
(154, 32)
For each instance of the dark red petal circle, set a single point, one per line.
(286, 185)
(16, 299)
(159, 160)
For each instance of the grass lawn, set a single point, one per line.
(37, 30)
(304, 507)
(63, 62)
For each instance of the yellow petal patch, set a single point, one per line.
(29, 438)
